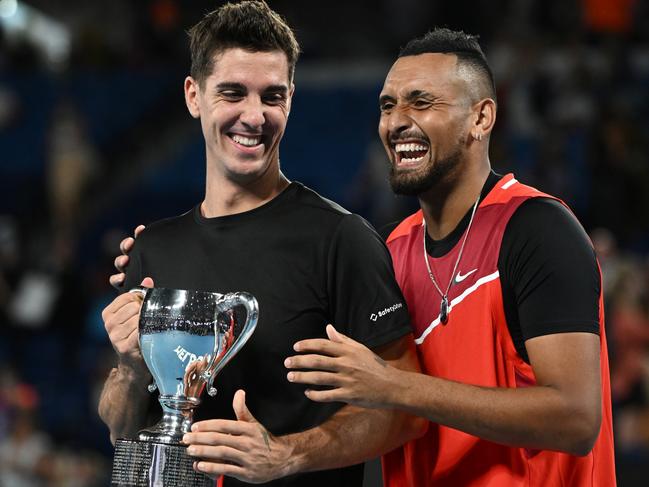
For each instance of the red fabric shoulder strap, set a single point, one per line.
(507, 188)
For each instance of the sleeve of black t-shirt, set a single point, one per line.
(366, 301)
(549, 273)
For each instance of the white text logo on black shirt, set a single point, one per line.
(385, 311)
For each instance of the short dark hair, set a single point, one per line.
(249, 25)
(464, 46)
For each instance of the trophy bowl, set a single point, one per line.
(186, 338)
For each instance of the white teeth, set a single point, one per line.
(247, 141)
(411, 159)
(410, 147)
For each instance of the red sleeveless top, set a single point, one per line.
(475, 347)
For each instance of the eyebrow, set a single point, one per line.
(413, 95)
(277, 89)
(417, 94)
(230, 85)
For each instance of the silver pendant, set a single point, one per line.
(443, 310)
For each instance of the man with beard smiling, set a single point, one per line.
(307, 261)
(504, 293)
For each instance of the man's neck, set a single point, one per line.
(225, 197)
(445, 205)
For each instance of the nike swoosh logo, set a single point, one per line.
(459, 277)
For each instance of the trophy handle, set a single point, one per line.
(141, 290)
(221, 357)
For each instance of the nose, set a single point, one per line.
(398, 121)
(393, 124)
(253, 113)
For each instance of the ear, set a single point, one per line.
(485, 118)
(192, 90)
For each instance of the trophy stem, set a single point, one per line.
(177, 418)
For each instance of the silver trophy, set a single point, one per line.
(186, 338)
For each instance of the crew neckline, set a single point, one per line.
(285, 194)
(441, 247)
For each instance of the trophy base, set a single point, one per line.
(146, 464)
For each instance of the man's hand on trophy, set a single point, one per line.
(121, 322)
(349, 371)
(121, 261)
(243, 449)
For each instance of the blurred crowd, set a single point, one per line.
(78, 170)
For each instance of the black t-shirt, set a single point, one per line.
(548, 271)
(308, 262)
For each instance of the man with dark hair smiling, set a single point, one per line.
(504, 293)
(308, 262)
